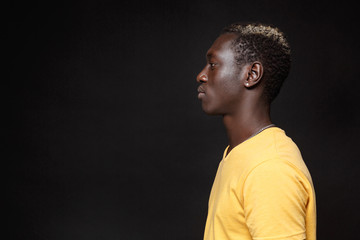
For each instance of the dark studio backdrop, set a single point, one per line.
(107, 137)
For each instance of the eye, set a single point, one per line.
(212, 65)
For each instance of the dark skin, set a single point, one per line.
(233, 91)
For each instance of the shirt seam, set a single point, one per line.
(279, 237)
(277, 158)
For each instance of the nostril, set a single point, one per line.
(202, 78)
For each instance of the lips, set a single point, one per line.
(201, 92)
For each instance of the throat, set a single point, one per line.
(240, 130)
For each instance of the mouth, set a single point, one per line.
(201, 92)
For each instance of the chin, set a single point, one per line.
(212, 107)
(211, 111)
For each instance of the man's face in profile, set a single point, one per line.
(220, 78)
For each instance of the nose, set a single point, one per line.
(201, 77)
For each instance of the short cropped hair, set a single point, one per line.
(266, 44)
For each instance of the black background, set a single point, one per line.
(107, 137)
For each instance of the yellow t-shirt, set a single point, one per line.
(262, 191)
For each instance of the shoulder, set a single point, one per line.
(277, 176)
(274, 167)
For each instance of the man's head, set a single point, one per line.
(244, 57)
(266, 44)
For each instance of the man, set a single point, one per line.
(262, 189)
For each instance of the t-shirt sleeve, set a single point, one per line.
(275, 200)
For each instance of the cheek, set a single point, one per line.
(225, 83)
(230, 85)
(230, 78)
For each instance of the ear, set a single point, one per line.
(254, 74)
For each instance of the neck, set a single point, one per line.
(246, 122)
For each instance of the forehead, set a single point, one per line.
(221, 45)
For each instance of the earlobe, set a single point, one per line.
(255, 72)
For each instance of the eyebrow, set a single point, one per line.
(209, 55)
